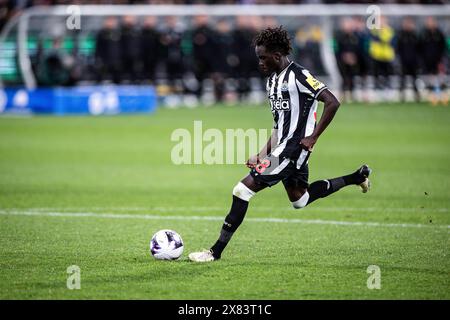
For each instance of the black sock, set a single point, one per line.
(232, 221)
(354, 178)
(323, 188)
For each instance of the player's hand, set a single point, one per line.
(252, 161)
(308, 143)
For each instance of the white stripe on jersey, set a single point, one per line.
(280, 168)
(311, 122)
(272, 87)
(280, 128)
(301, 159)
(295, 113)
(310, 125)
(278, 82)
(303, 89)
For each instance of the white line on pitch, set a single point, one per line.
(215, 218)
(256, 209)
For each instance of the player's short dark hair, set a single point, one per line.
(274, 39)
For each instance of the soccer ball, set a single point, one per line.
(166, 245)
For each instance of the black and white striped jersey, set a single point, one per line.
(293, 101)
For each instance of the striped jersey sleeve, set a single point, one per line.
(308, 84)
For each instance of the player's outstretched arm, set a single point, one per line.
(331, 105)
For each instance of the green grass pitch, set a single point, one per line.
(91, 191)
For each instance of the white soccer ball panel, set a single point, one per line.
(166, 245)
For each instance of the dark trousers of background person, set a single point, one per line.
(243, 71)
(149, 69)
(110, 71)
(381, 71)
(435, 82)
(204, 70)
(409, 69)
(348, 73)
(219, 86)
(431, 68)
(200, 75)
(132, 71)
(175, 71)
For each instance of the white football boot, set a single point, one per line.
(202, 256)
(365, 172)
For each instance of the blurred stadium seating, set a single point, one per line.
(192, 59)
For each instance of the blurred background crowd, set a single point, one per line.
(191, 55)
(9, 8)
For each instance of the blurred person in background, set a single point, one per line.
(108, 51)
(299, 47)
(363, 55)
(256, 25)
(315, 40)
(382, 53)
(150, 48)
(347, 42)
(171, 53)
(204, 52)
(408, 49)
(257, 81)
(243, 37)
(433, 51)
(306, 46)
(130, 40)
(56, 67)
(225, 59)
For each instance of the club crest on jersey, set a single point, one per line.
(280, 105)
(284, 86)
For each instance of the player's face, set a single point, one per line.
(268, 62)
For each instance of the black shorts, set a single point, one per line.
(272, 170)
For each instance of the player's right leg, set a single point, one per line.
(242, 193)
(301, 196)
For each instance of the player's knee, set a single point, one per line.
(302, 202)
(243, 192)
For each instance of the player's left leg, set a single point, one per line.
(262, 176)
(301, 196)
(242, 193)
